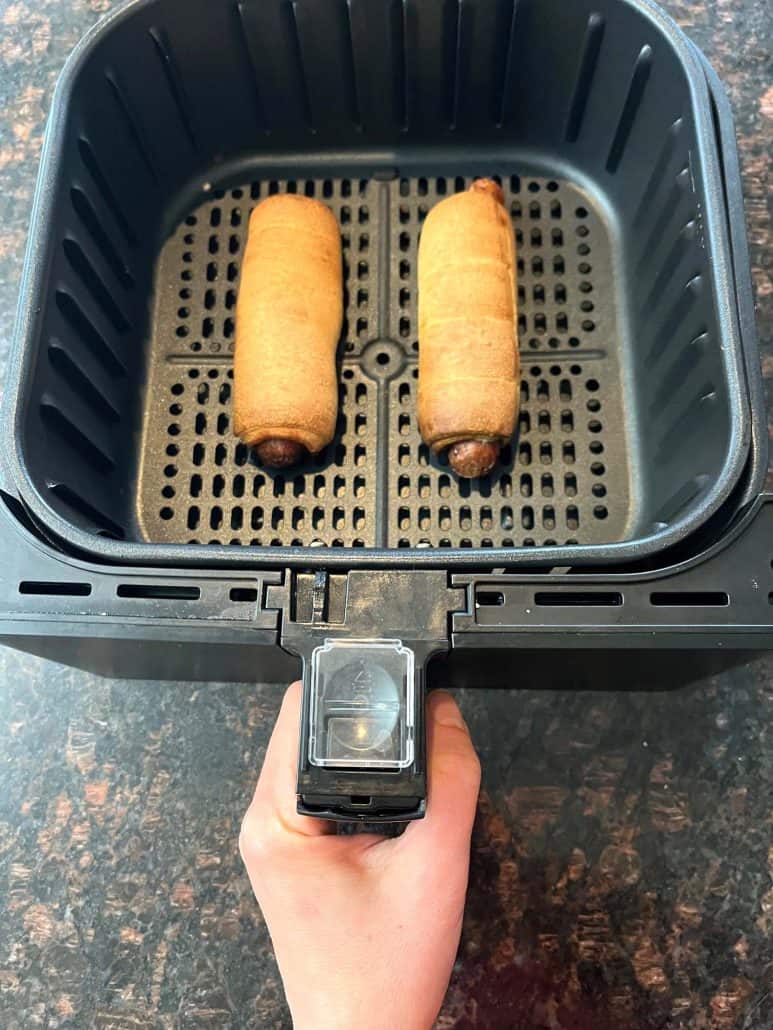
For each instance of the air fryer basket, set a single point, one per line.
(176, 116)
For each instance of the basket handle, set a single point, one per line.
(362, 752)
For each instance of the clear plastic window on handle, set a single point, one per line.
(362, 705)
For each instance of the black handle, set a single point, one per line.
(365, 638)
(362, 753)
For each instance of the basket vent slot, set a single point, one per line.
(174, 80)
(80, 383)
(80, 505)
(88, 275)
(158, 591)
(690, 599)
(578, 599)
(102, 183)
(88, 216)
(639, 79)
(503, 107)
(133, 126)
(86, 331)
(594, 34)
(52, 589)
(293, 36)
(76, 437)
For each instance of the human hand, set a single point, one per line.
(365, 928)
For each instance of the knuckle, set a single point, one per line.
(461, 766)
(475, 773)
(468, 764)
(257, 841)
(457, 741)
(470, 770)
(473, 765)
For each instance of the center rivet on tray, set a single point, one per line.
(383, 359)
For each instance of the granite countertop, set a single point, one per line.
(622, 869)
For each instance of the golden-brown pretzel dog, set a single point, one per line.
(468, 347)
(288, 324)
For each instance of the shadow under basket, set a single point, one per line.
(175, 117)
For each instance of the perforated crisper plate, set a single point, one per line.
(566, 478)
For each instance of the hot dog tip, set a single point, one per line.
(277, 453)
(490, 188)
(473, 459)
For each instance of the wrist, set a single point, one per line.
(334, 1016)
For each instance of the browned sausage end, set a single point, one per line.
(473, 459)
(280, 454)
(489, 186)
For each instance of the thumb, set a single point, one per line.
(453, 770)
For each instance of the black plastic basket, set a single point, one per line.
(641, 448)
(636, 421)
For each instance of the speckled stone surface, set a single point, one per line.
(622, 872)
